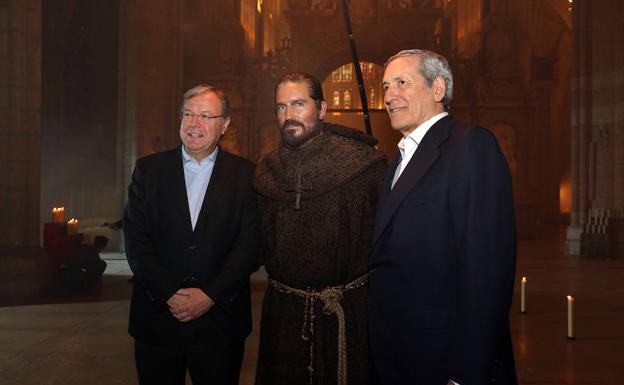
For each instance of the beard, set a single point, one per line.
(295, 138)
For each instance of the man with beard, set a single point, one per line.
(317, 199)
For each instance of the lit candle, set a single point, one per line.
(570, 321)
(58, 214)
(72, 226)
(522, 295)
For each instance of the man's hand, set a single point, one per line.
(177, 300)
(197, 303)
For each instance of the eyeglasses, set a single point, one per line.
(188, 115)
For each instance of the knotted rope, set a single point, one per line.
(331, 298)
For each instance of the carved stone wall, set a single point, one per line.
(510, 86)
(511, 64)
(597, 169)
(214, 53)
(318, 45)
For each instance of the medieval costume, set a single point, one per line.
(318, 208)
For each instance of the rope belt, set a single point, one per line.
(331, 298)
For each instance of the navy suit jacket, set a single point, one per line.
(443, 261)
(166, 254)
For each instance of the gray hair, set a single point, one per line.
(202, 89)
(430, 67)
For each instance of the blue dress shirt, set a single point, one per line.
(197, 176)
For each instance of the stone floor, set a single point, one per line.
(67, 338)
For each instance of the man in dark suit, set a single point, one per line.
(444, 247)
(192, 233)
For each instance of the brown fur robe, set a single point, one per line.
(323, 243)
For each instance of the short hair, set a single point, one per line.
(315, 90)
(205, 88)
(430, 67)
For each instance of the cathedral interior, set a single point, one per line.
(88, 87)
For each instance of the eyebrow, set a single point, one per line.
(396, 79)
(290, 102)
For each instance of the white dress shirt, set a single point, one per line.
(408, 144)
(197, 176)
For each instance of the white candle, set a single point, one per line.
(523, 295)
(570, 320)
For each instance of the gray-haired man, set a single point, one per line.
(444, 246)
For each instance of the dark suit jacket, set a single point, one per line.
(165, 253)
(443, 256)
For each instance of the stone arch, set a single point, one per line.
(336, 83)
(321, 64)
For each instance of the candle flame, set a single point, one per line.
(73, 220)
(524, 279)
(570, 298)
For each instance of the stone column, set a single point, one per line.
(580, 123)
(618, 102)
(150, 81)
(598, 79)
(584, 122)
(21, 259)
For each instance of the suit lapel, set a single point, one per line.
(425, 156)
(178, 188)
(385, 189)
(390, 174)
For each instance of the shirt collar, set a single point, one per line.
(416, 136)
(186, 158)
(419, 133)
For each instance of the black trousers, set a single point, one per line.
(167, 364)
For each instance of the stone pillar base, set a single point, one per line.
(24, 273)
(573, 240)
